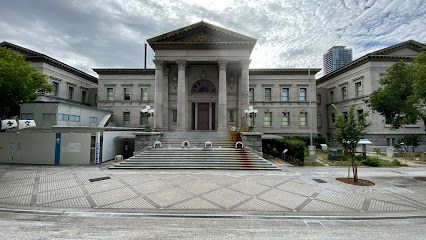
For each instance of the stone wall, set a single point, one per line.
(253, 141)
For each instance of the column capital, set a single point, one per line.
(158, 63)
(245, 63)
(222, 64)
(181, 64)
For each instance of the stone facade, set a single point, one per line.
(70, 84)
(202, 81)
(352, 85)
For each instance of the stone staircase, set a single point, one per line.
(223, 155)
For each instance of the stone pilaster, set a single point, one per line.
(243, 91)
(158, 99)
(222, 104)
(182, 100)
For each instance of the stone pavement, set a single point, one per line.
(208, 191)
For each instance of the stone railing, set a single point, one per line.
(145, 139)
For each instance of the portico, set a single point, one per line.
(201, 78)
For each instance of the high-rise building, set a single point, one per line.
(335, 58)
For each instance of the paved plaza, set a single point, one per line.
(292, 190)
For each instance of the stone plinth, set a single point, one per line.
(252, 140)
(145, 139)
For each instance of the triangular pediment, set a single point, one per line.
(201, 34)
(407, 48)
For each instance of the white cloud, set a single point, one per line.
(290, 33)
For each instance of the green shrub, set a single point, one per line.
(316, 140)
(396, 163)
(377, 150)
(369, 161)
(295, 147)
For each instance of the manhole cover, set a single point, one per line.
(319, 180)
(98, 179)
(420, 178)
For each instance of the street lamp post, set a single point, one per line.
(147, 112)
(311, 147)
(251, 114)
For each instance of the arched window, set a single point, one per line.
(203, 86)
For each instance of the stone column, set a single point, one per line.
(165, 101)
(182, 100)
(222, 104)
(158, 99)
(243, 91)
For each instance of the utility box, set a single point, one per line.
(389, 152)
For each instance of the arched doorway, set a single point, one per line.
(203, 97)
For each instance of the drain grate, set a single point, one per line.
(401, 186)
(319, 180)
(420, 178)
(98, 179)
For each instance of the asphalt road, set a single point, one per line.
(35, 226)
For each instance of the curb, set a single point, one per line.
(98, 213)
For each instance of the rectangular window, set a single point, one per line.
(318, 98)
(55, 89)
(344, 94)
(70, 92)
(267, 119)
(285, 95)
(285, 119)
(93, 120)
(73, 118)
(83, 96)
(319, 120)
(231, 116)
(143, 120)
(358, 89)
(27, 116)
(110, 94)
(360, 114)
(63, 117)
(303, 119)
(174, 115)
(126, 93)
(302, 94)
(331, 96)
(251, 94)
(126, 119)
(345, 116)
(390, 142)
(144, 94)
(268, 94)
(49, 116)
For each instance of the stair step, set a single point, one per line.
(172, 156)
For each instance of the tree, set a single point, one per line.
(402, 97)
(348, 131)
(19, 82)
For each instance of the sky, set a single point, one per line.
(290, 33)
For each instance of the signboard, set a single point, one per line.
(57, 148)
(98, 148)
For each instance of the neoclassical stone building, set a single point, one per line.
(352, 85)
(202, 82)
